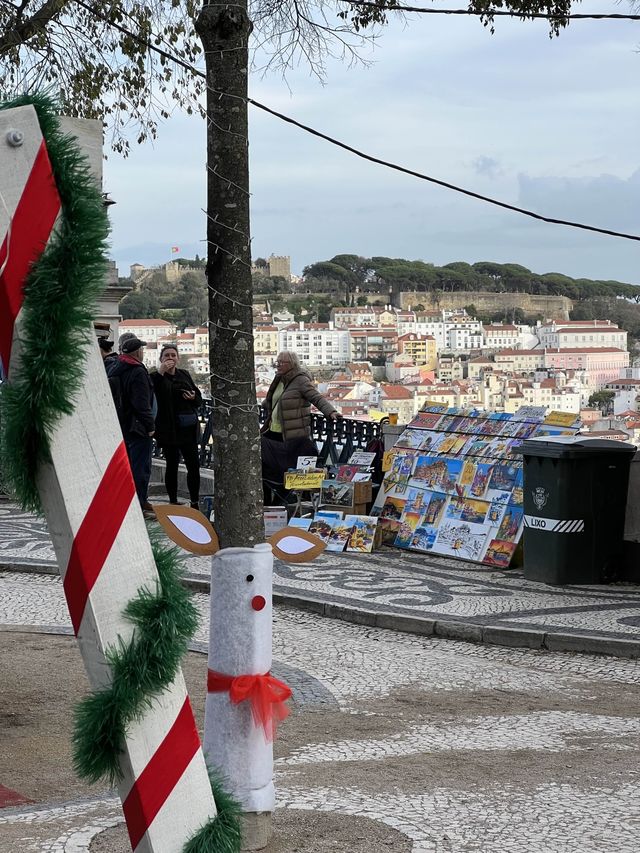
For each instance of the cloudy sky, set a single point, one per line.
(547, 124)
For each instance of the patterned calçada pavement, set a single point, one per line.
(463, 600)
(453, 746)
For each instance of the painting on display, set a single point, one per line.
(455, 485)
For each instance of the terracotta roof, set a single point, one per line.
(414, 336)
(396, 392)
(362, 333)
(506, 328)
(519, 352)
(598, 329)
(153, 322)
(556, 350)
(560, 323)
(609, 432)
(624, 382)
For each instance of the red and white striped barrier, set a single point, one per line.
(96, 524)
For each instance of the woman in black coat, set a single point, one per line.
(177, 425)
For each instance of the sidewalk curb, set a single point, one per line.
(470, 632)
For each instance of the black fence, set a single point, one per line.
(335, 440)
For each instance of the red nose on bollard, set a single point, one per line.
(258, 602)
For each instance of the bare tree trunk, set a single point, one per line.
(224, 31)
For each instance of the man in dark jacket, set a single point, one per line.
(136, 414)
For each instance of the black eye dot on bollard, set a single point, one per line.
(249, 578)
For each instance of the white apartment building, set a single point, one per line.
(148, 330)
(316, 344)
(452, 330)
(151, 355)
(461, 394)
(456, 333)
(462, 339)
(359, 316)
(519, 360)
(200, 339)
(632, 372)
(501, 336)
(450, 368)
(503, 393)
(188, 343)
(402, 369)
(568, 334)
(625, 401)
(266, 340)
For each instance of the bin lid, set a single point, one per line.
(572, 446)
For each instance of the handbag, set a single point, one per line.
(187, 419)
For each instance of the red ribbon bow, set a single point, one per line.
(266, 694)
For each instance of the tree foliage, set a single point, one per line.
(97, 57)
(381, 274)
(602, 400)
(122, 61)
(184, 301)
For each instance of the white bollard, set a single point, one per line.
(236, 742)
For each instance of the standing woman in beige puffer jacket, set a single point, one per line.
(286, 433)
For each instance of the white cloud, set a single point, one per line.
(553, 123)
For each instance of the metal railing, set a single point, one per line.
(335, 440)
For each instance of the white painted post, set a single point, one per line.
(240, 644)
(164, 806)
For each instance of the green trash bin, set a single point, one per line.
(575, 496)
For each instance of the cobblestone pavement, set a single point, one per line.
(459, 748)
(396, 582)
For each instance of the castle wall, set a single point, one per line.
(556, 307)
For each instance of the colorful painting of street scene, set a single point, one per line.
(456, 483)
(437, 473)
(423, 538)
(499, 553)
(466, 509)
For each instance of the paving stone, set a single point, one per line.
(345, 669)
(458, 631)
(517, 637)
(440, 590)
(401, 622)
(588, 643)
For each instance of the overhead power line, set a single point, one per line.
(363, 155)
(494, 13)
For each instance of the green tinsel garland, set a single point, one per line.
(59, 305)
(57, 315)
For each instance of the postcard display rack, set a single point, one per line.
(455, 483)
